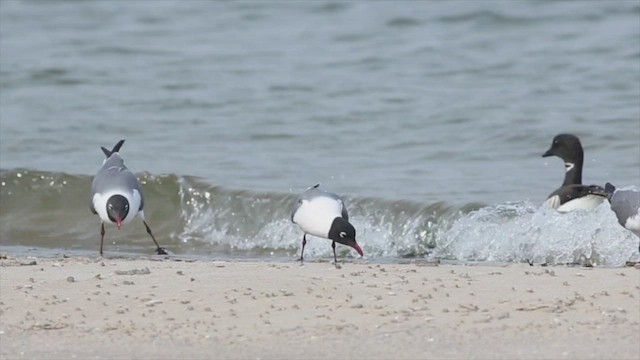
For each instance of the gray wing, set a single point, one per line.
(625, 204)
(141, 197)
(114, 176)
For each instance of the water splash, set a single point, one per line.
(519, 232)
(193, 217)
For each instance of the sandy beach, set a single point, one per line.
(87, 308)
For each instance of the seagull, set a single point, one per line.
(116, 195)
(626, 205)
(572, 194)
(323, 214)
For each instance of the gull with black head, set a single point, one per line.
(572, 194)
(116, 195)
(324, 214)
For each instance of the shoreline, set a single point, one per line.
(119, 308)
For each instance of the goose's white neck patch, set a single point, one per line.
(569, 166)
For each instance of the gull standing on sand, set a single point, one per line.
(323, 214)
(626, 205)
(117, 196)
(572, 194)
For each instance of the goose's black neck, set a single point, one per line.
(573, 174)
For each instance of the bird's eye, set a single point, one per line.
(343, 234)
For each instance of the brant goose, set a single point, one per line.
(572, 194)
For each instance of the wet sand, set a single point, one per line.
(166, 309)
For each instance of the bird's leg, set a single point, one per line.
(335, 259)
(159, 250)
(304, 242)
(101, 237)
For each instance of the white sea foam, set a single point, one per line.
(526, 232)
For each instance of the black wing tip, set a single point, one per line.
(118, 146)
(608, 187)
(115, 149)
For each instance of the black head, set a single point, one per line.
(344, 233)
(567, 147)
(117, 209)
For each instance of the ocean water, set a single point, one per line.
(430, 118)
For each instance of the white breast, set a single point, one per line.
(315, 216)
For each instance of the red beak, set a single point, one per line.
(118, 222)
(355, 246)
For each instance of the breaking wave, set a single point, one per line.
(191, 216)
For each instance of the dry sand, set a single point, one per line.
(167, 309)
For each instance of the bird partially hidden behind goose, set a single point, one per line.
(572, 194)
(116, 195)
(324, 214)
(626, 205)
